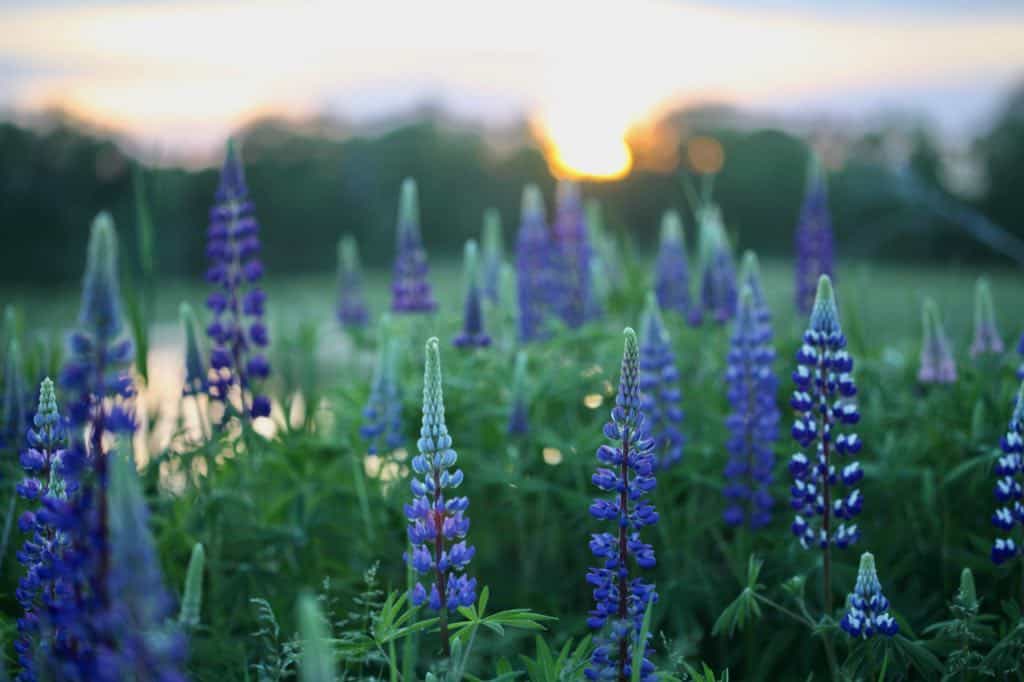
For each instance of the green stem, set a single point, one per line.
(364, 504)
(392, 662)
(885, 667)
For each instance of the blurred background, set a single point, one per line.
(915, 108)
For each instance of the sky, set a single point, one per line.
(182, 74)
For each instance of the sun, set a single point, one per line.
(583, 142)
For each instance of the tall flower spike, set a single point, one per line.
(382, 416)
(536, 268)
(473, 334)
(987, 340)
(195, 367)
(603, 245)
(574, 247)
(672, 270)
(494, 255)
(519, 414)
(352, 312)
(15, 401)
(410, 288)
(753, 422)
(237, 304)
(867, 609)
(813, 239)
(823, 402)
(937, 363)
(660, 395)
(1020, 351)
(437, 523)
(626, 475)
(1009, 491)
(718, 271)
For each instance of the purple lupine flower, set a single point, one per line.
(410, 288)
(572, 240)
(937, 363)
(813, 238)
(237, 304)
(867, 609)
(15, 408)
(1020, 351)
(536, 268)
(987, 339)
(519, 414)
(1009, 491)
(437, 523)
(660, 395)
(494, 255)
(717, 269)
(382, 416)
(352, 312)
(823, 401)
(672, 269)
(753, 422)
(196, 376)
(473, 334)
(627, 475)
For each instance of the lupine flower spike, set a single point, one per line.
(987, 340)
(195, 367)
(1009, 491)
(536, 268)
(494, 255)
(813, 237)
(937, 363)
(672, 270)
(382, 416)
(626, 474)
(473, 334)
(1020, 352)
(519, 415)
(823, 402)
(660, 395)
(867, 609)
(410, 288)
(753, 422)
(352, 312)
(238, 303)
(437, 523)
(718, 270)
(574, 246)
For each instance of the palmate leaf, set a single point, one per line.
(521, 619)
(546, 668)
(745, 607)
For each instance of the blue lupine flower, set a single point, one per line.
(572, 239)
(237, 304)
(813, 238)
(352, 312)
(473, 334)
(718, 292)
(1009, 491)
(1020, 351)
(437, 523)
(672, 269)
(627, 474)
(519, 415)
(937, 363)
(15, 412)
(987, 339)
(537, 271)
(867, 609)
(660, 395)
(410, 288)
(382, 416)
(753, 422)
(196, 382)
(494, 255)
(823, 401)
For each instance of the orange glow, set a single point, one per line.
(582, 149)
(705, 155)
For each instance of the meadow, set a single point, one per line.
(303, 532)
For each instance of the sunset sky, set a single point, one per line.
(180, 74)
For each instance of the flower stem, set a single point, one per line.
(623, 554)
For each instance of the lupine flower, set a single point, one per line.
(196, 382)
(813, 238)
(237, 304)
(473, 334)
(750, 277)
(42, 485)
(1009, 491)
(753, 422)
(437, 523)
(494, 255)
(519, 415)
(867, 609)
(573, 243)
(627, 475)
(410, 288)
(536, 267)
(937, 363)
(672, 269)
(382, 416)
(15, 401)
(1020, 351)
(717, 269)
(660, 395)
(987, 340)
(352, 312)
(823, 401)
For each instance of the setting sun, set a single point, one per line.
(581, 150)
